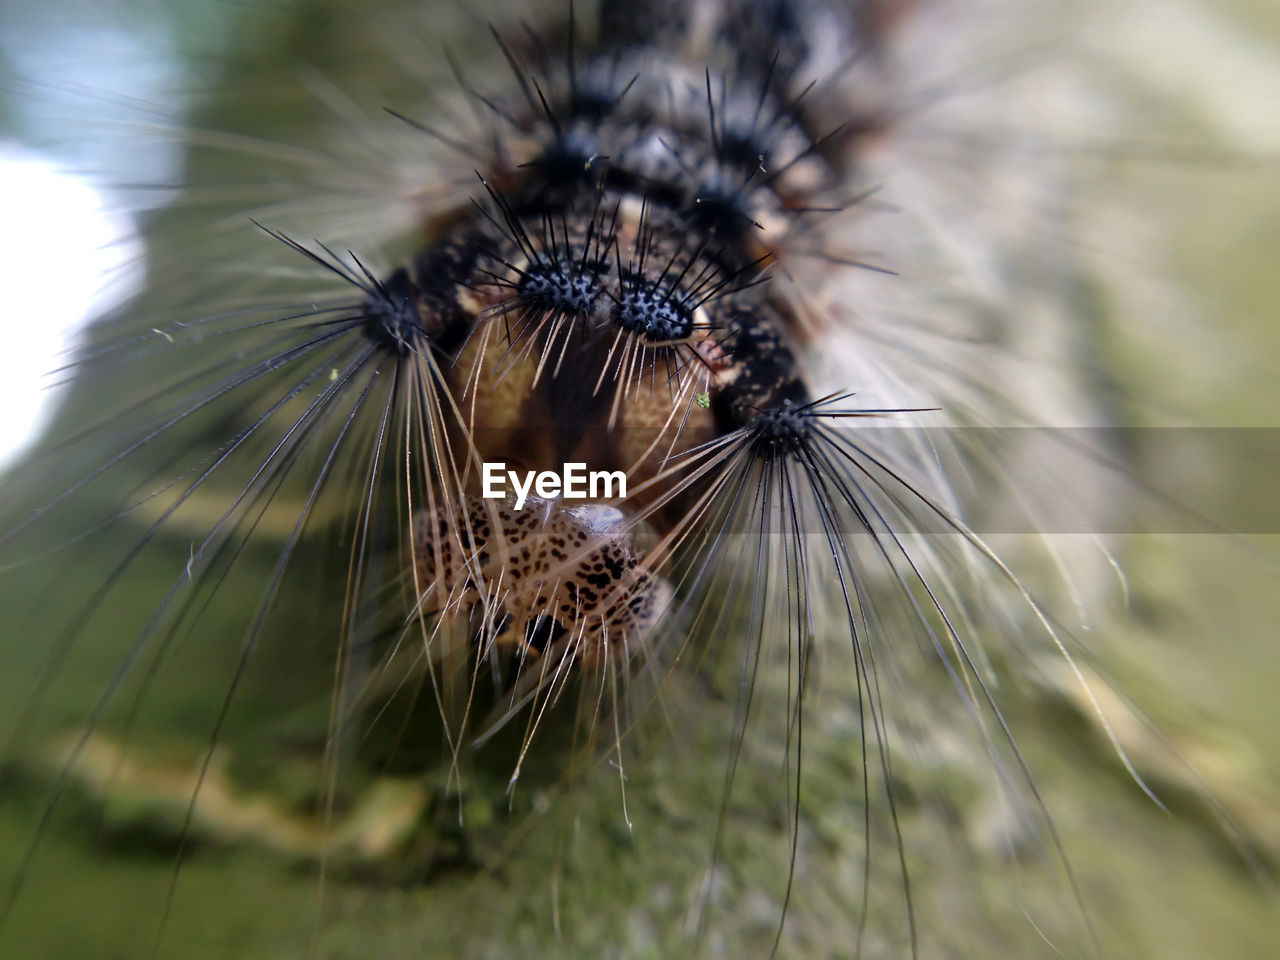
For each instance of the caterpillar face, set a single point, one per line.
(283, 672)
(603, 307)
(564, 583)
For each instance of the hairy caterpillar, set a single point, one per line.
(306, 757)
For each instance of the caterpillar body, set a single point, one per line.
(770, 700)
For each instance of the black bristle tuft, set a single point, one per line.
(392, 318)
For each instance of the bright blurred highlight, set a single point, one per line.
(65, 257)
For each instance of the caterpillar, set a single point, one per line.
(282, 678)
